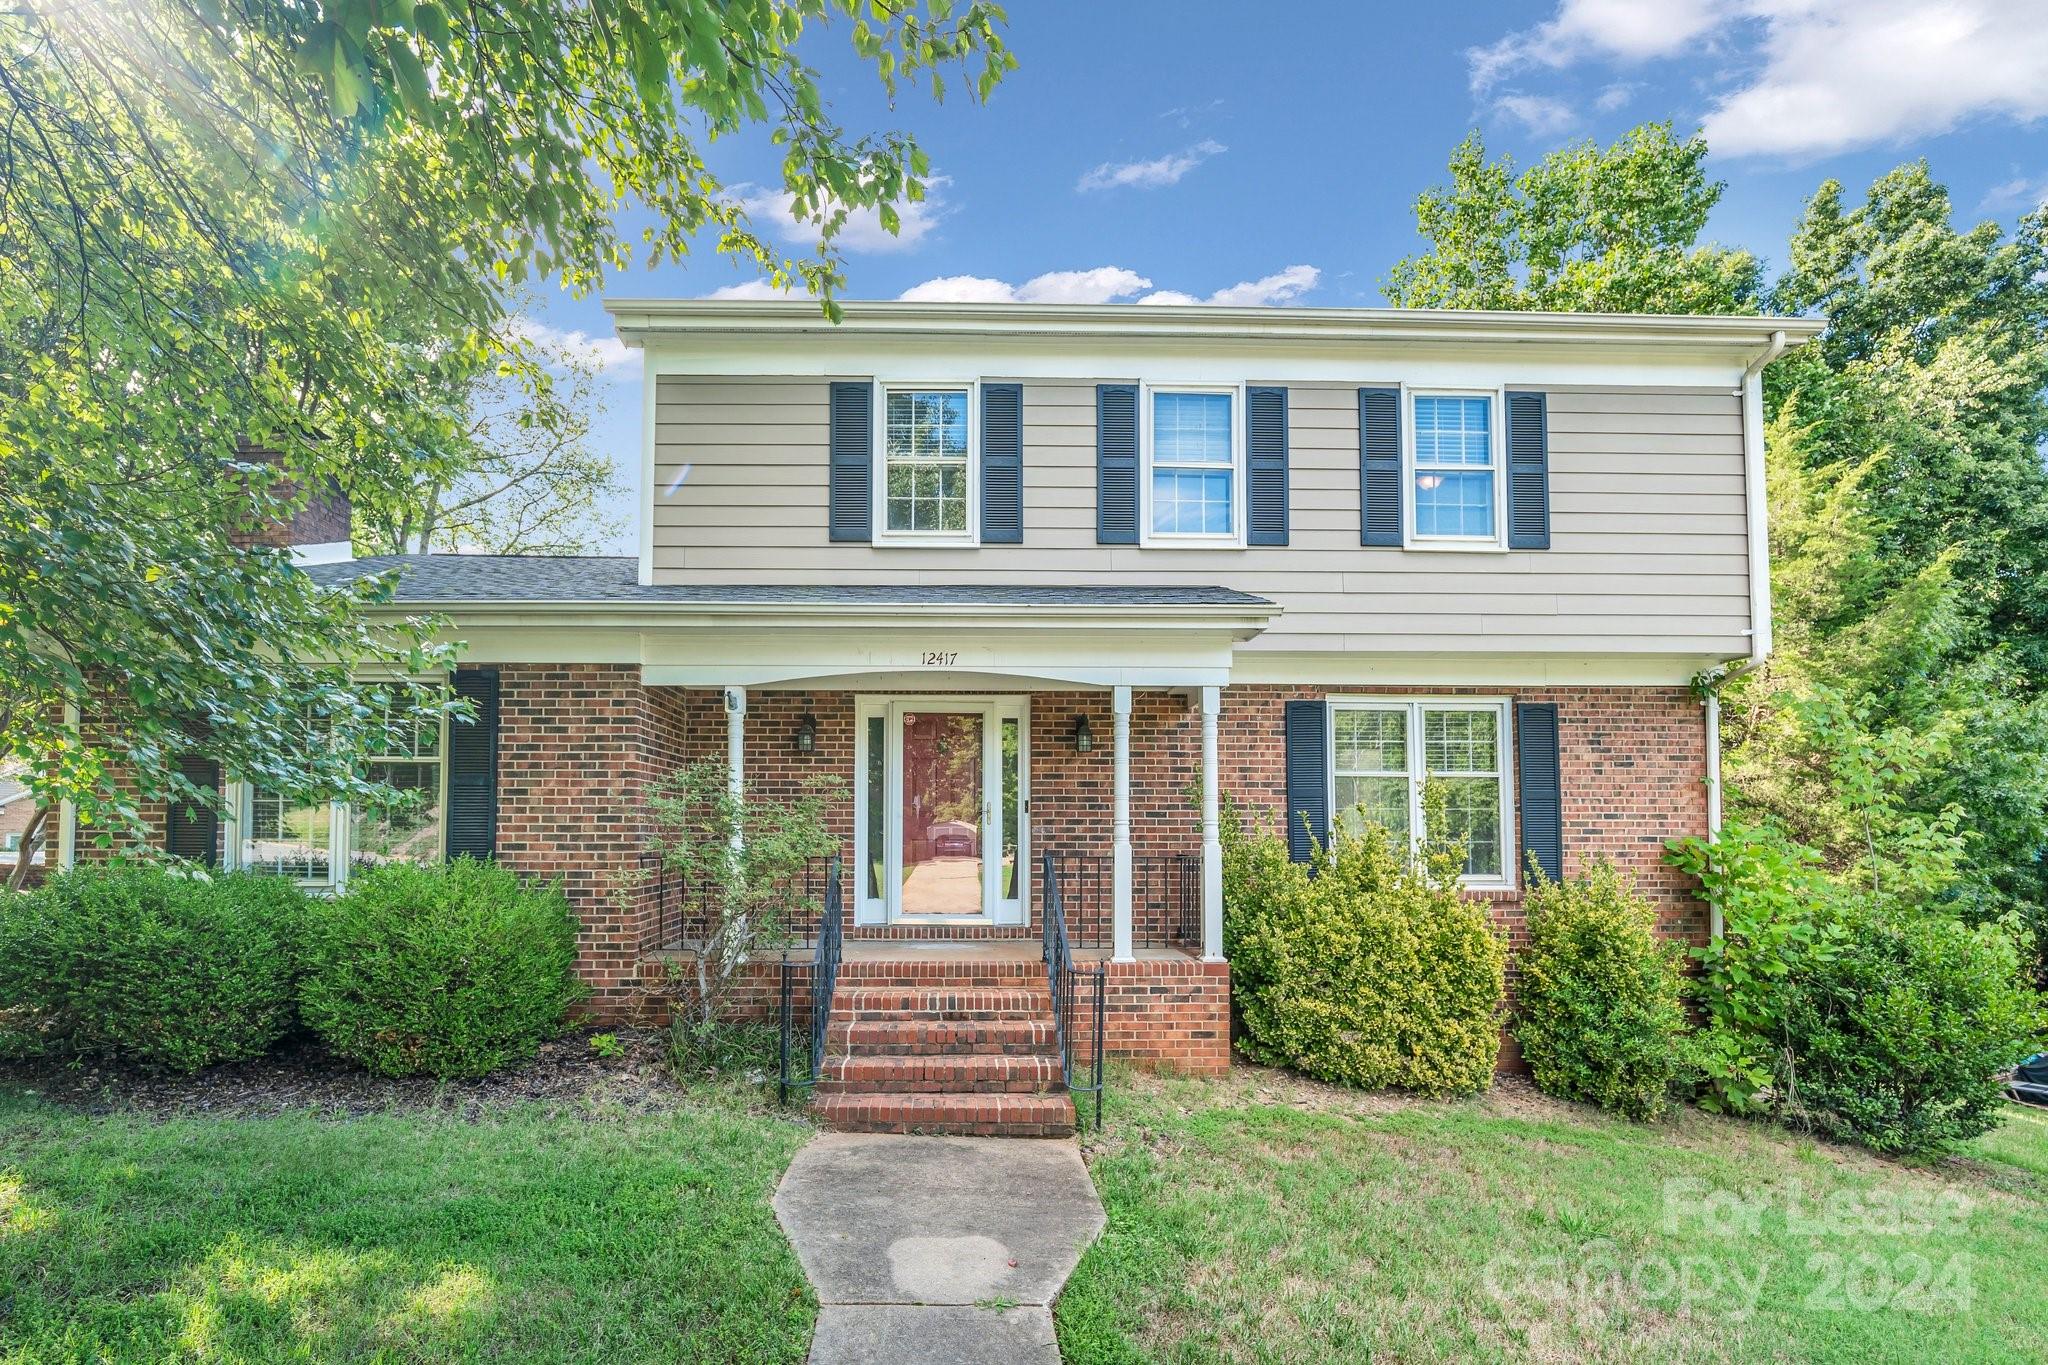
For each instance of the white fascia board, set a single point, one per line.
(938, 661)
(572, 619)
(1468, 670)
(639, 320)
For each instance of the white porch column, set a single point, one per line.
(736, 749)
(1120, 936)
(1212, 838)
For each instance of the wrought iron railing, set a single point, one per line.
(824, 979)
(683, 917)
(1065, 978)
(1166, 899)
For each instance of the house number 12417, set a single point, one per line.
(941, 659)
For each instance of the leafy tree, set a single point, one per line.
(518, 475)
(230, 220)
(1587, 229)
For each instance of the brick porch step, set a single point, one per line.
(941, 1002)
(913, 974)
(953, 1114)
(987, 1074)
(880, 1037)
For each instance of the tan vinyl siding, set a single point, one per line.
(1648, 550)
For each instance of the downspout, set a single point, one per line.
(1750, 390)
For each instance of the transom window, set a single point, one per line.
(925, 465)
(1455, 467)
(1385, 751)
(1192, 460)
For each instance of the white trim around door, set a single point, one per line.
(1001, 833)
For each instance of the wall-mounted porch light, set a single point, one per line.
(806, 734)
(1083, 737)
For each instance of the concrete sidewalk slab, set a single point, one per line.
(929, 1227)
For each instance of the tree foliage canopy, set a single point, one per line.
(230, 220)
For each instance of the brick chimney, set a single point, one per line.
(317, 533)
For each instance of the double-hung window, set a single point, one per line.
(314, 842)
(1456, 469)
(1386, 752)
(405, 826)
(1193, 444)
(926, 470)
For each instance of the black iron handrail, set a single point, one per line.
(824, 980)
(684, 917)
(1062, 976)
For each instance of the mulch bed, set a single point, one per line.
(566, 1077)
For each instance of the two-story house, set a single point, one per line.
(1049, 580)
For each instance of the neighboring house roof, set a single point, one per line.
(430, 580)
(11, 791)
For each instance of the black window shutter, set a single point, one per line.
(1116, 464)
(193, 831)
(1528, 472)
(473, 768)
(1265, 442)
(1002, 464)
(1539, 788)
(1308, 778)
(852, 440)
(1379, 466)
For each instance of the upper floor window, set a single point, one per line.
(927, 476)
(1456, 468)
(1191, 459)
(1384, 753)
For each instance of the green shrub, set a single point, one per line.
(449, 970)
(1374, 972)
(159, 967)
(1895, 1039)
(1598, 1012)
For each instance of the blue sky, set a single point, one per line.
(1185, 150)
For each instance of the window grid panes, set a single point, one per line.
(925, 461)
(1454, 466)
(1383, 753)
(281, 838)
(1194, 466)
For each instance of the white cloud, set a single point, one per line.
(606, 355)
(1540, 114)
(1809, 77)
(1108, 284)
(2019, 193)
(1615, 96)
(755, 289)
(1149, 175)
(1104, 284)
(1283, 287)
(862, 231)
(1622, 30)
(1841, 74)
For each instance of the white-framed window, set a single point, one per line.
(314, 843)
(1456, 453)
(925, 476)
(1385, 749)
(1192, 452)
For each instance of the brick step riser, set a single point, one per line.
(949, 1114)
(926, 1037)
(893, 1004)
(933, 976)
(909, 1075)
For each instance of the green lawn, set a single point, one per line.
(529, 1235)
(1265, 1218)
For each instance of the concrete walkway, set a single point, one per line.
(937, 1248)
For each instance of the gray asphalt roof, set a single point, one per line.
(427, 579)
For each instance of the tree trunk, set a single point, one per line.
(31, 838)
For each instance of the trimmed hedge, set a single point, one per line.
(1598, 1012)
(159, 967)
(449, 970)
(1376, 971)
